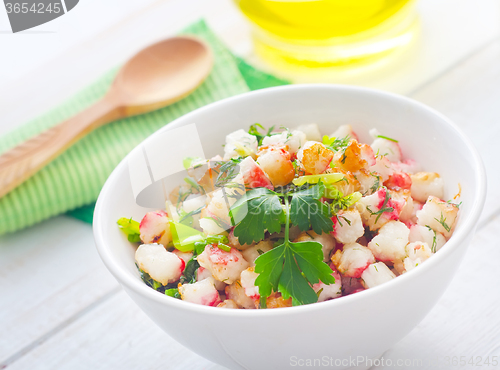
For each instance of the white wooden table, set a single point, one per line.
(61, 309)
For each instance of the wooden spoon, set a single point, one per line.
(155, 77)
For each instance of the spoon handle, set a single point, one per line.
(24, 160)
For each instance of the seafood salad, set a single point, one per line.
(290, 217)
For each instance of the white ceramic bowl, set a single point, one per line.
(364, 324)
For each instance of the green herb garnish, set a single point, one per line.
(258, 210)
(254, 130)
(335, 144)
(382, 209)
(224, 247)
(186, 218)
(434, 239)
(189, 273)
(376, 184)
(443, 223)
(306, 210)
(387, 138)
(130, 228)
(228, 170)
(156, 285)
(292, 269)
(193, 162)
(174, 292)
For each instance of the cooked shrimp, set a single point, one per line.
(293, 140)
(240, 144)
(250, 254)
(348, 226)
(275, 300)
(202, 292)
(416, 253)
(438, 215)
(387, 148)
(382, 167)
(228, 303)
(185, 256)
(326, 241)
(369, 182)
(235, 243)
(390, 242)
(253, 175)
(355, 157)
(376, 274)
(425, 184)
(162, 265)
(435, 240)
(343, 131)
(236, 293)
(224, 266)
(352, 260)
(398, 181)
(203, 273)
(311, 130)
(247, 280)
(155, 228)
(314, 158)
(278, 166)
(380, 207)
(330, 291)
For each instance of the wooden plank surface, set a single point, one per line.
(469, 95)
(117, 335)
(114, 335)
(46, 278)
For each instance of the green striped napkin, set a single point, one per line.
(73, 180)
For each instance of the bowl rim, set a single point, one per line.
(142, 289)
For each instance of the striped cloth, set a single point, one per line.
(73, 181)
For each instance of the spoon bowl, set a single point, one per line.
(157, 76)
(162, 74)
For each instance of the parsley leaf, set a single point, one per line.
(258, 210)
(307, 211)
(130, 228)
(269, 266)
(292, 269)
(293, 284)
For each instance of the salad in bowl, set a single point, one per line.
(187, 226)
(290, 216)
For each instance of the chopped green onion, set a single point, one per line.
(217, 239)
(194, 162)
(387, 138)
(328, 178)
(174, 292)
(184, 237)
(224, 247)
(130, 228)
